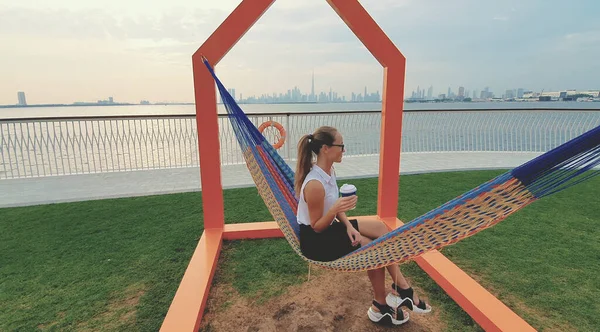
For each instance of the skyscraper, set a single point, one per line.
(232, 93)
(22, 100)
(430, 92)
(312, 90)
(461, 92)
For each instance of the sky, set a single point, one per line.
(63, 51)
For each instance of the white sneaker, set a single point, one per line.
(386, 314)
(405, 298)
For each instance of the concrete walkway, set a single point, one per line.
(70, 188)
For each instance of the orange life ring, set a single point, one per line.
(279, 127)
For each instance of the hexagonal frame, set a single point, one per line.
(185, 312)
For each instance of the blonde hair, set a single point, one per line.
(309, 144)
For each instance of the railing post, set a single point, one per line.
(288, 138)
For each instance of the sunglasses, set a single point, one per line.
(340, 145)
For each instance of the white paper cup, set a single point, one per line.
(348, 190)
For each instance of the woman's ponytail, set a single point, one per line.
(304, 163)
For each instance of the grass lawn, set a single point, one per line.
(116, 264)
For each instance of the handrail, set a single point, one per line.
(37, 147)
(191, 115)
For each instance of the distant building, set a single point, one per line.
(486, 94)
(312, 89)
(22, 100)
(108, 101)
(593, 93)
(461, 92)
(558, 95)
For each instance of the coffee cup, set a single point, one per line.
(347, 190)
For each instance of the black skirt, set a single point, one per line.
(328, 245)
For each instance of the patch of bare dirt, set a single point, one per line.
(330, 301)
(48, 326)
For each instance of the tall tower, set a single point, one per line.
(312, 90)
(22, 100)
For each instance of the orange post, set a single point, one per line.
(394, 63)
(208, 146)
(214, 49)
(390, 145)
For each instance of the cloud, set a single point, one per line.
(98, 24)
(584, 37)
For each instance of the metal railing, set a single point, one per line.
(59, 146)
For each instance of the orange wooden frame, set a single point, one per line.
(187, 307)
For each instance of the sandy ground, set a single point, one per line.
(330, 301)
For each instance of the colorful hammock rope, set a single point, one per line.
(480, 208)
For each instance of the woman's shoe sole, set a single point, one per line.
(395, 301)
(377, 317)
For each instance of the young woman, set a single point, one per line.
(326, 233)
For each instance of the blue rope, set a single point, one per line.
(538, 167)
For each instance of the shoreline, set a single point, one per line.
(406, 102)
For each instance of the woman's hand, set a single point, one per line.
(354, 236)
(344, 204)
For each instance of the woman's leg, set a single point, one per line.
(400, 281)
(374, 229)
(377, 278)
(371, 228)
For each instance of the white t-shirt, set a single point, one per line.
(331, 193)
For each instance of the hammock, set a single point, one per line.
(470, 213)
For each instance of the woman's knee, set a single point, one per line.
(372, 228)
(382, 228)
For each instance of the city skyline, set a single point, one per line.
(295, 95)
(72, 50)
(331, 95)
